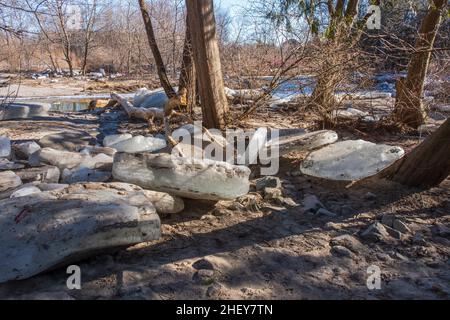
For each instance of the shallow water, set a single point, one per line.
(70, 106)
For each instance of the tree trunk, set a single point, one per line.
(155, 50)
(408, 105)
(188, 80)
(202, 25)
(429, 163)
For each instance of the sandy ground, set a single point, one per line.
(258, 249)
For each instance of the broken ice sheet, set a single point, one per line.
(350, 160)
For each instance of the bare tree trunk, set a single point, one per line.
(202, 26)
(408, 105)
(429, 163)
(155, 50)
(187, 82)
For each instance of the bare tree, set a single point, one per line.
(202, 26)
(408, 106)
(428, 164)
(155, 50)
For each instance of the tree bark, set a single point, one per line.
(408, 105)
(202, 26)
(155, 50)
(429, 163)
(188, 79)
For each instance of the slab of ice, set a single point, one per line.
(350, 113)
(108, 141)
(47, 229)
(145, 98)
(139, 144)
(186, 177)
(5, 147)
(22, 110)
(350, 160)
(298, 140)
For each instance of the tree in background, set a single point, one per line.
(408, 106)
(202, 27)
(155, 50)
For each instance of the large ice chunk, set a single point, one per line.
(185, 177)
(350, 160)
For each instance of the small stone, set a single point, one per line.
(388, 220)
(203, 264)
(268, 182)
(370, 196)
(213, 290)
(341, 251)
(394, 233)
(419, 240)
(26, 149)
(441, 230)
(325, 212)
(375, 232)
(400, 226)
(204, 276)
(272, 193)
(348, 241)
(312, 204)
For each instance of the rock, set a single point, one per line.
(300, 141)
(439, 230)
(312, 204)
(272, 193)
(139, 144)
(115, 138)
(395, 223)
(213, 290)
(204, 276)
(67, 141)
(53, 228)
(348, 241)
(394, 233)
(419, 240)
(26, 191)
(84, 174)
(5, 164)
(21, 110)
(48, 174)
(26, 149)
(185, 177)
(325, 212)
(268, 182)
(5, 147)
(350, 160)
(9, 180)
(370, 196)
(341, 251)
(61, 159)
(400, 226)
(203, 264)
(375, 232)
